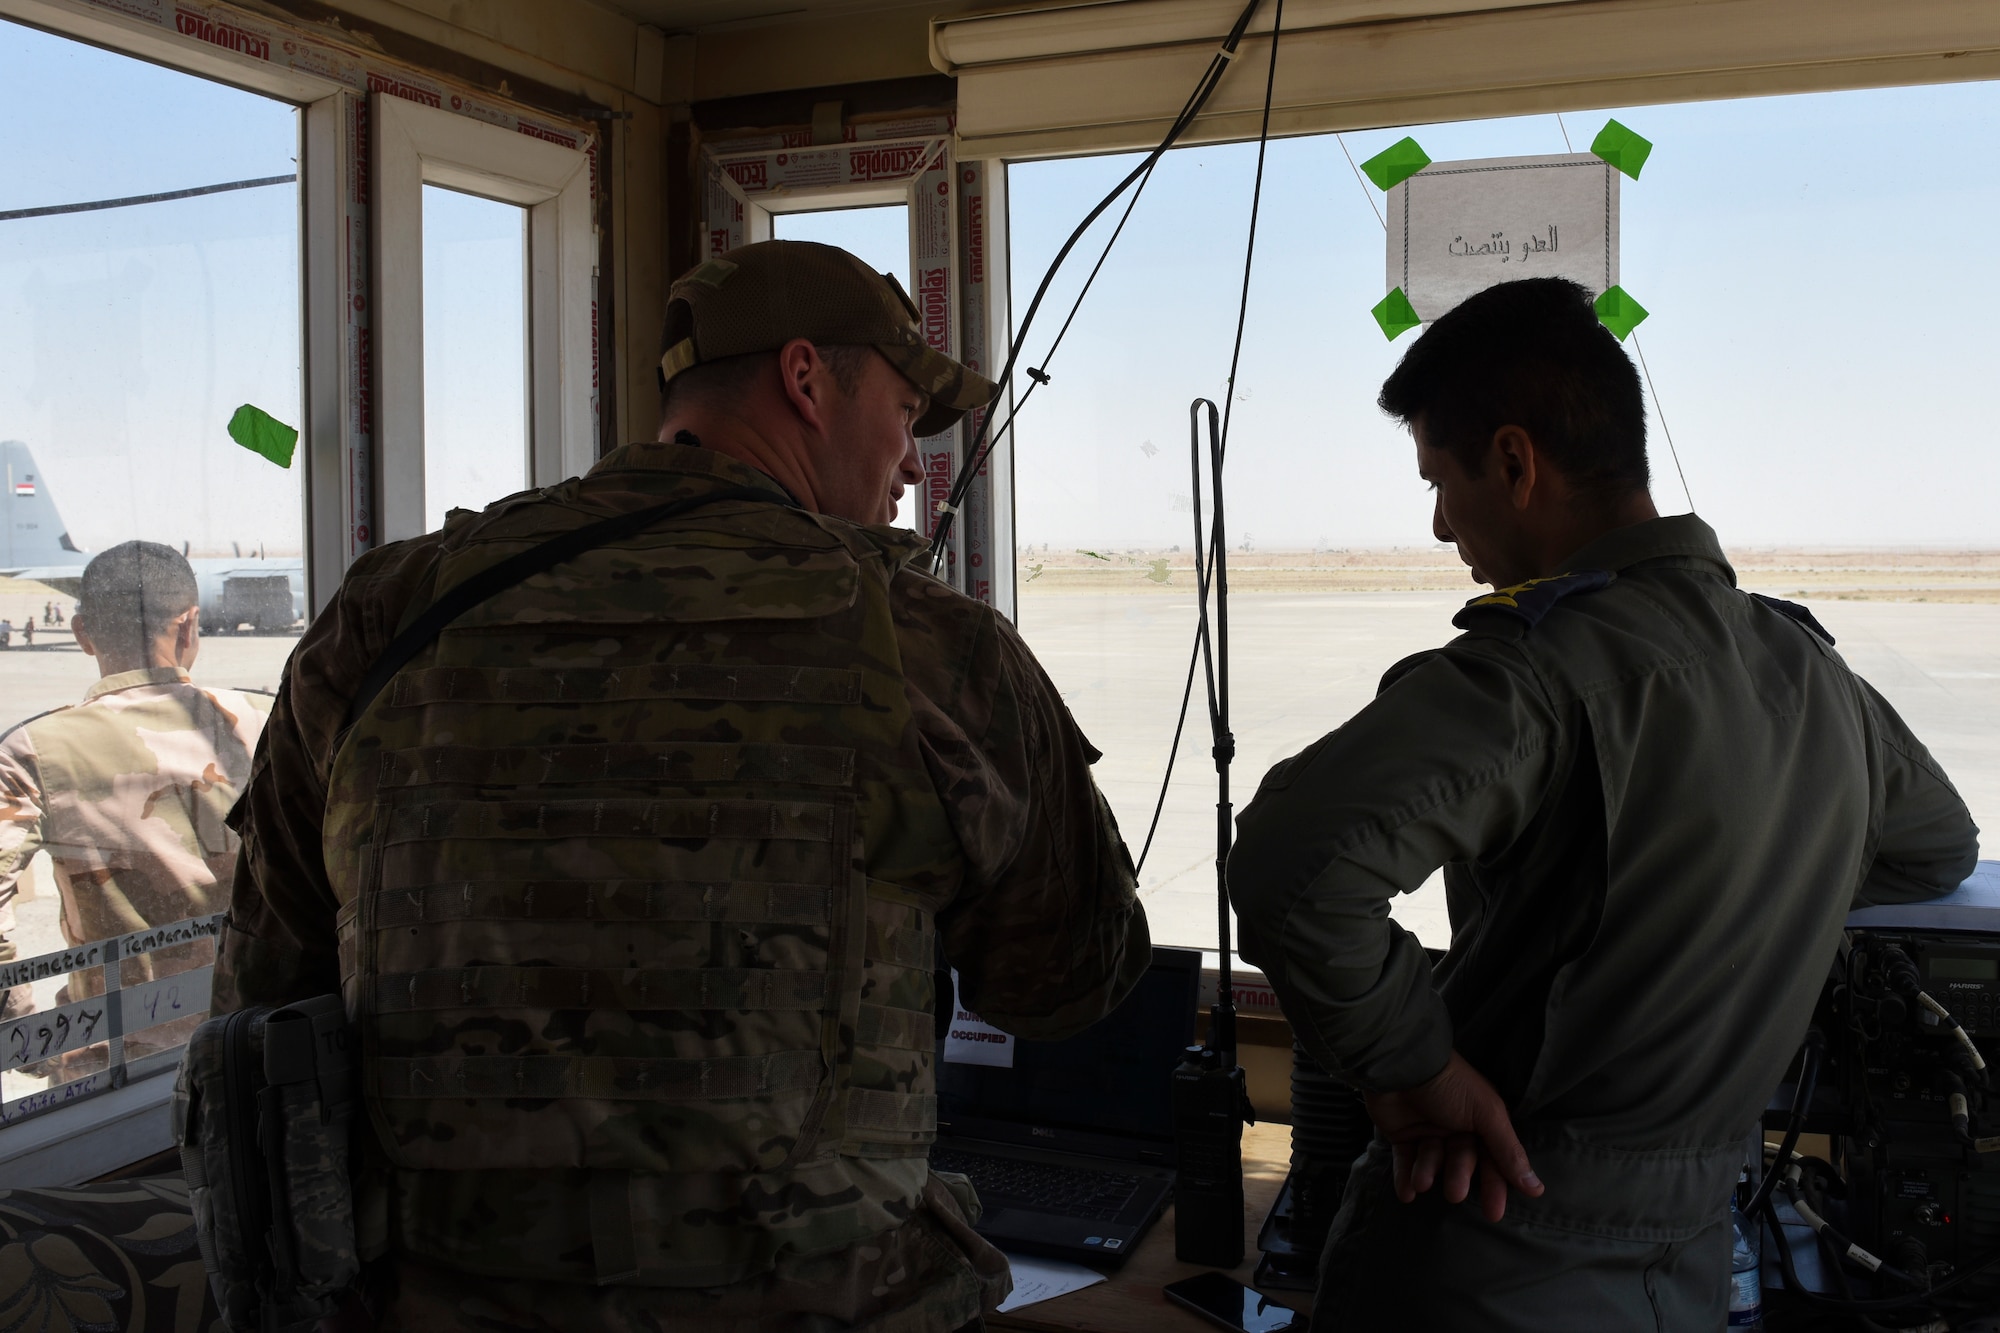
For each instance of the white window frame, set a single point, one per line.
(983, 327)
(414, 146)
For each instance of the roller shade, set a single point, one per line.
(1109, 75)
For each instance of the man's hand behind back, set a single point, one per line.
(1443, 1130)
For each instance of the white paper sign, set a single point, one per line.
(1456, 228)
(971, 1040)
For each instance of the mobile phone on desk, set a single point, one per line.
(1223, 1300)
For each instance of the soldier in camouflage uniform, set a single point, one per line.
(635, 878)
(127, 790)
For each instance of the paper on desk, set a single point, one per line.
(1045, 1279)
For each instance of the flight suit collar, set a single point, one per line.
(660, 456)
(1681, 538)
(125, 680)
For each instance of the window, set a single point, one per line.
(471, 276)
(880, 237)
(134, 334)
(1816, 364)
(475, 351)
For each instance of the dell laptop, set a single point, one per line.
(1071, 1143)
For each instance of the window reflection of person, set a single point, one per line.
(127, 789)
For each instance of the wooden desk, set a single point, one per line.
(1129, 1300)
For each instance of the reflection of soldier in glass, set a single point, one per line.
(127, 789)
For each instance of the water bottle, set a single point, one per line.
(1746, 1281)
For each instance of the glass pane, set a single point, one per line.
(1823, 418)
(131, 336)
(880, 238)
(475, 351)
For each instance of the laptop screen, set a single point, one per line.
(1112, 1078)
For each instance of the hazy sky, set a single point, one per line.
(129, 336)
(1817, 269)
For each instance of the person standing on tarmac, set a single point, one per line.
(127, 789)
(1655, 798)
(634, 879)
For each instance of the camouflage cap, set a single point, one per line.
(759, 297)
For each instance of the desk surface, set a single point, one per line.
(1129, 1300)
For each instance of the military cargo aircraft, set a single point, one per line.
(251, 593)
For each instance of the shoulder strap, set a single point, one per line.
(518, 568)
(1796, 612)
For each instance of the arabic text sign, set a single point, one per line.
(1456, 228)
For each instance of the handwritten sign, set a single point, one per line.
(99, 952)
(71, 1027)
(1456, 228)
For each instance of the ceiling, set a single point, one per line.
(721, 15)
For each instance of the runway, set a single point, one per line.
(1305, 662)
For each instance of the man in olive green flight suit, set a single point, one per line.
(1655, 798)
(634, 879)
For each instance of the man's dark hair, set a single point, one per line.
(131, 592)
(1530, 354)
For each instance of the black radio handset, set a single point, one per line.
(1211, 1099)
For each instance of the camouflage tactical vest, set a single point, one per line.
(638, 867)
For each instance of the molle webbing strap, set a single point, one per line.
(513, 988)
(617, 818)
(899, 1029)
(692, 762)
(600, 1077)
(603, 900)
(893, 1112)
(545, 685)
(902, 948)
(518, 568)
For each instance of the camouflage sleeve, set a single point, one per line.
(1046, 932)
(280, 944)
(20, 827)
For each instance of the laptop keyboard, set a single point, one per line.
(1071, 1191)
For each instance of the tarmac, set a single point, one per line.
(1302, 663)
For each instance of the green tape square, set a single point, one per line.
(1396, 164)
(261, 433)
(1395, 314)
(1617, 311)
(1623, 148)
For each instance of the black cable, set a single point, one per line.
(1213, 645)
(1880, 1304)
(1037, 375)
(1201, 579)
(96, 205)
(1797, 1287)
(1802, 1095)
(976, 455)
(1187, 693)
(1250, 249)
